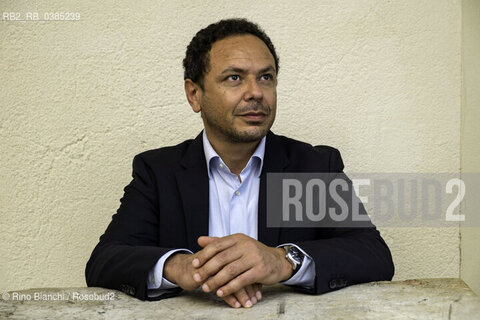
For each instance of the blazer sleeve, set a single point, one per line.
(345, 256)
(128, 249)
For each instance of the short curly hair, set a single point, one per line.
(197, 59)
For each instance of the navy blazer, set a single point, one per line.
(166, 207)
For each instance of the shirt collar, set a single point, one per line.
(211, 154)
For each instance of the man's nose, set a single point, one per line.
(253, 91)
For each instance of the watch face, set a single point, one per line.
(296, 254)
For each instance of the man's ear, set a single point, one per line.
(193, 93)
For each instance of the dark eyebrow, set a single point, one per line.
(233, 69)
(268, 69)
(240, 70)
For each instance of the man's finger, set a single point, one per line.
(203, 241)
(237, 283)
(232, 301)
(214, 247)
(226, 274)
(251, 292)
(215, 264)
(244, 298)
(259, 291)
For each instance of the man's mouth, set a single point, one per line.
(253, 116)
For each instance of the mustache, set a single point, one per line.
(252, 107)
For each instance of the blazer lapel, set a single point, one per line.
(274, 160)
(193, 186)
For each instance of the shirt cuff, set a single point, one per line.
(155, 279)
(305, 276)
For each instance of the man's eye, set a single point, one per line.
(267, 77)
(234, 77)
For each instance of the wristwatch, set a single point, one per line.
(294, 256)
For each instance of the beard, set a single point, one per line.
(255, 132)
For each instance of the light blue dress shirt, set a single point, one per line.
(233, 208)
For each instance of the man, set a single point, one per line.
(194, 214)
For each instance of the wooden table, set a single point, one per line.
(411, 299)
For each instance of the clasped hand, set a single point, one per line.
(235, 267)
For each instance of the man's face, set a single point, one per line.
(239, 99)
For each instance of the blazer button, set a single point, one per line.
(333, 284)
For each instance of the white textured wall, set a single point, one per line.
(470, 237)
(379, 80)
